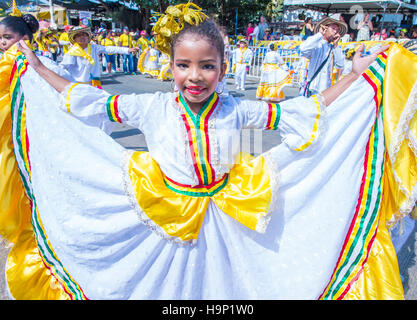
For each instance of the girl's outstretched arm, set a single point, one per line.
(359, 66)
(55, 80)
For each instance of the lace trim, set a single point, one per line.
(412, 141)
(264, 219)
(5, 243)
(406, 207)
(215, 150)
(399, 133)
(185, 139)
(127, 154)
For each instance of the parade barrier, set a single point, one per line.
(290, 52)
(291, 57)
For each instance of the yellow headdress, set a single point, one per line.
(15, 11)
(173, 21)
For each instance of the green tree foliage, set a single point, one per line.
(275, 9)
(224, 11)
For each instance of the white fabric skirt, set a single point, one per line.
(79, 181)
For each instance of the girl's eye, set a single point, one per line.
(181, 65)
(209, 66)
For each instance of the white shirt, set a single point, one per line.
(242, 56)
(274, 57)
(84, 71)
(346, 38)
(316, 49)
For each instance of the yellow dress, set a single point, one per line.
(27, 273)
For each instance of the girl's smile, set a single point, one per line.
(197, 68)
(195, 90)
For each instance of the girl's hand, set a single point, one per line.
(30, 56)
(54, 79)
(360, 64)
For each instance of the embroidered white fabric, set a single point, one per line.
(402, 131)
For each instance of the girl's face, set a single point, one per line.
(9, 38)
(197, 68)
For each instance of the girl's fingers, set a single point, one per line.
(359, 52)
(22, 46)
(382, 49)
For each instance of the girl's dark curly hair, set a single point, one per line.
(24, 25)
(207, 29)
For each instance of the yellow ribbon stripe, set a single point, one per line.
(315, 127)
(68, 102)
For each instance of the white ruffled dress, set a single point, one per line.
(105, 244)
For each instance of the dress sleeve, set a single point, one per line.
(68, 60)
(298, 120)
(112, 49)
(301, 122)
(96, 106)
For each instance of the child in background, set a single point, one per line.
(149, 62)
(275, 76)
(15, 28)
(242, 59)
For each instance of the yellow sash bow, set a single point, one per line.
(178, 216)
(77, 51)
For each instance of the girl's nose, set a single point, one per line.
(194, 74)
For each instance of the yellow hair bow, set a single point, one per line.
(15, 11)
(173, 21)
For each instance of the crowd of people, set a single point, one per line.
(364, 31)
(306, 65)
(60, 44)
(145, 58)
(195, 217)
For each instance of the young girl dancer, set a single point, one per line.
(274, 78)
(181, 221)
(15, 28)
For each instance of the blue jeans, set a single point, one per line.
(128, 63)
(110, 58)
(135, 63)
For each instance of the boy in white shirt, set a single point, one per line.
(242, 58)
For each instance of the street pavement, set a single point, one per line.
(132, 138)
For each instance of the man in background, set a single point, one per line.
(324, 54)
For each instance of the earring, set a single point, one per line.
(218, 87)
(173, 86)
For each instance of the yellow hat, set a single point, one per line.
(15, 11)
(76, 30)
(326, 21)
